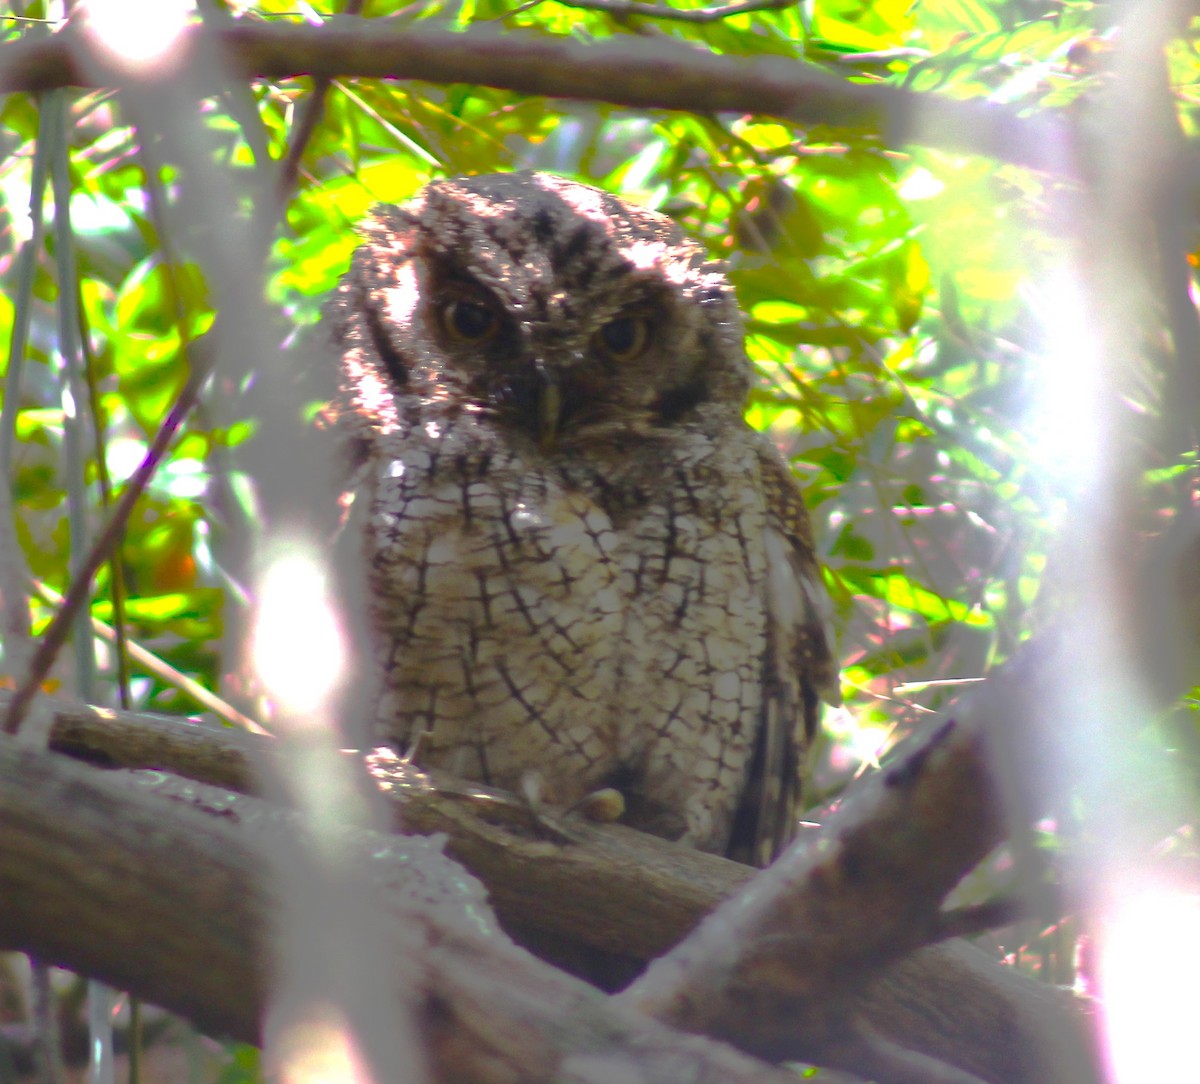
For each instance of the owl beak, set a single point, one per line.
(549, 405)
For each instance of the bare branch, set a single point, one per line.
(658, 74)
(172, 903)
(164, 671)
(949, 1002)
(310, 116)
(966, 921)
(838, 913)
(786, 957)
(80, 587)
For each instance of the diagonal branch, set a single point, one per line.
(159, 668)
(310, 117)
(77, 593)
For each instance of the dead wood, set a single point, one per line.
(619, 890)
(104, 874)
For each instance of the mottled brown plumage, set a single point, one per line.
(582, 561)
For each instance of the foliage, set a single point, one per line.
(897, 301)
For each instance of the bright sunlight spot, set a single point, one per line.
(138, 33)
(299, 650)
(1149, 962)
(123, 456)
(857, 743)
(320, 1050)
(920, 184)
(1064, 419)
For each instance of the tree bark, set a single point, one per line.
(615, 889)
(643, 73)
(100, 874)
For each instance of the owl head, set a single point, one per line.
(553, 308)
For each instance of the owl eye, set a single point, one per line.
(469, 321)
(624, 338)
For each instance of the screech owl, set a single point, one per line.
(581, 560)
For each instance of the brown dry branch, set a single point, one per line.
(101, 549)
(169, 900)
(152, 664)
(630, 71)
(302, 131)
(619, 890)
(829, 917)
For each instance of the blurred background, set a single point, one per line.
(981, 367)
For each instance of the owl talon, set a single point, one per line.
(603, 806)
(543, 822)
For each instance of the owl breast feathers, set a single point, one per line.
(582, 562)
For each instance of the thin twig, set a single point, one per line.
(623, 8)
(77, 593)
(200, 366)
(14, 604)
(116, 570)
(22, 297)
(162, 670)
(310, 117)
(975, 919)
(74, 453)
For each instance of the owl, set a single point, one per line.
(582, 563)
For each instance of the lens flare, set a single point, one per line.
(319, 1048)
(1064, 419)
(299, 649)
(138, 34)
(1149, 960)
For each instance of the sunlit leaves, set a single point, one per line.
(862, 25)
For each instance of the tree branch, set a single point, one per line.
(630, 71)
(951, 1002)
(172, 904)
(157, 667)
(839, 913)
(310, 117)
(81, 584)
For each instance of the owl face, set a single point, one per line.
(554, 308)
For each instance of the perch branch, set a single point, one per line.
(102, 874)
(949, 1002)
(871, 889)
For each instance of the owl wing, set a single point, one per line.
(798, 673)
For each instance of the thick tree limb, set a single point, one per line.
(629, 71)
(873, 879)
(788, 963)
(174, 905)
(617, 889)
